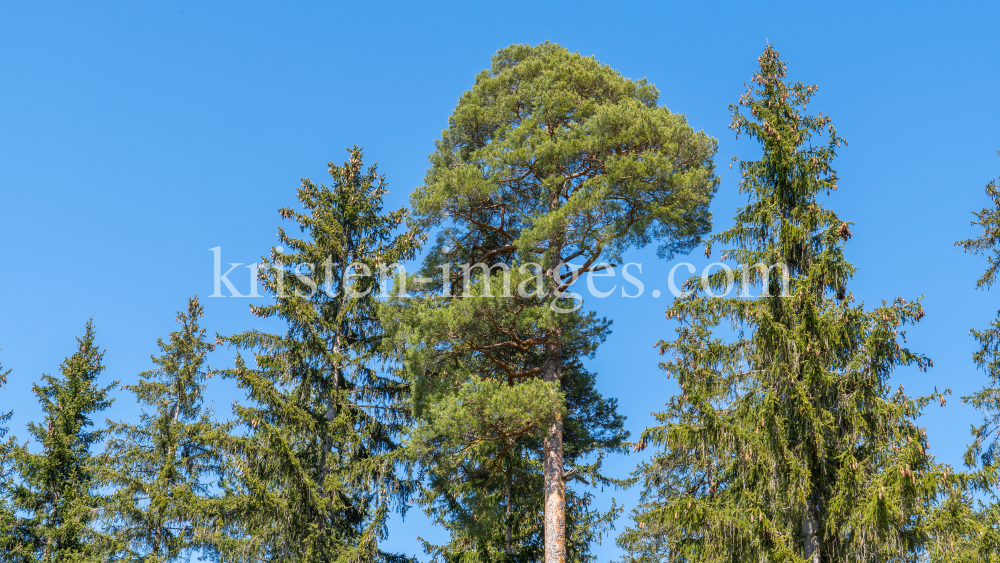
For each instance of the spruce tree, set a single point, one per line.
(787, 442)
(482, 411)
(159, 468)
(317, 471)
(966, 529)
(5, 451)
(987, 358)
(11, 529)
(57, 487)
(553, 157)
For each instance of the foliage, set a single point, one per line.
(987, 358)
(161, 506)
(11, 528)
(787, 442)
(57, 487)
(317, 470)
(482, 410)
(981, 538)
(553, 157)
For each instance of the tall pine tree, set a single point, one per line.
(159, 468)
(787, 442)
(553, 157)
(317, 471)
(57, 487)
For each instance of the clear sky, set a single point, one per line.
(136, 136)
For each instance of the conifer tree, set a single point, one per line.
(5, 452)
(11, 530)
(787, 442)
(553, 157)
(57, 487)
(159, 468)
(967, 520)
(317, 471)
(482, 410)
(987, 358)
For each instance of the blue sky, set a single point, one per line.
(136, 136)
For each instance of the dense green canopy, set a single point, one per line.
(466, 390)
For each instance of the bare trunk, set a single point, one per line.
(552, 448)
(809, 537)
(555, 486)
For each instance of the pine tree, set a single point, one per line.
(482, 411)
(553, 157)
(317, 471)
(787, 442)
(58, 486)
(159, 467)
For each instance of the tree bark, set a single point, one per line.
(552, 448)
(555, 486)
(809, 537)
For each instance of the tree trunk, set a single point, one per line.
(809, 537)
(552, 449)
(555, 486)
(156, 542)
(509, 511)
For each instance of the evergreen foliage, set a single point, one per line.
(57, 487)
(553, 157)
(482, 410)
(787, 442)
(318, 469)
(11, 529)
(158, 468)
(968, 519)
(466, 389)
(987, 358)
